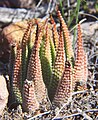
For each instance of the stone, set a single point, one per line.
(3, 94)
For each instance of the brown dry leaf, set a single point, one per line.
(11, 35)
(15, 31)
(3, 94)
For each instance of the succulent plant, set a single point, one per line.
(58, 67)
(46, 57)
(80, 67)
(16, 76)
(44, 65)
(30, 102)
(34, 72)
(55, 33)
(67, 41)
(64, 88)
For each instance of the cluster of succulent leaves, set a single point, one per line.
(43, 65)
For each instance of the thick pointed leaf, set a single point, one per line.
(25, 41)
(16, 79)
(34, 68)
(55, 33)
(67, 41)
(64, 88)
(80, 68)
(46, 59)
(58, 67)
(30, 102)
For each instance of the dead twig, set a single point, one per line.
(39, 3)
(69, 100)
(76, 114)
(51, 6)
(88, 15)
(84, 114)
(79, 92)
(39, 115)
